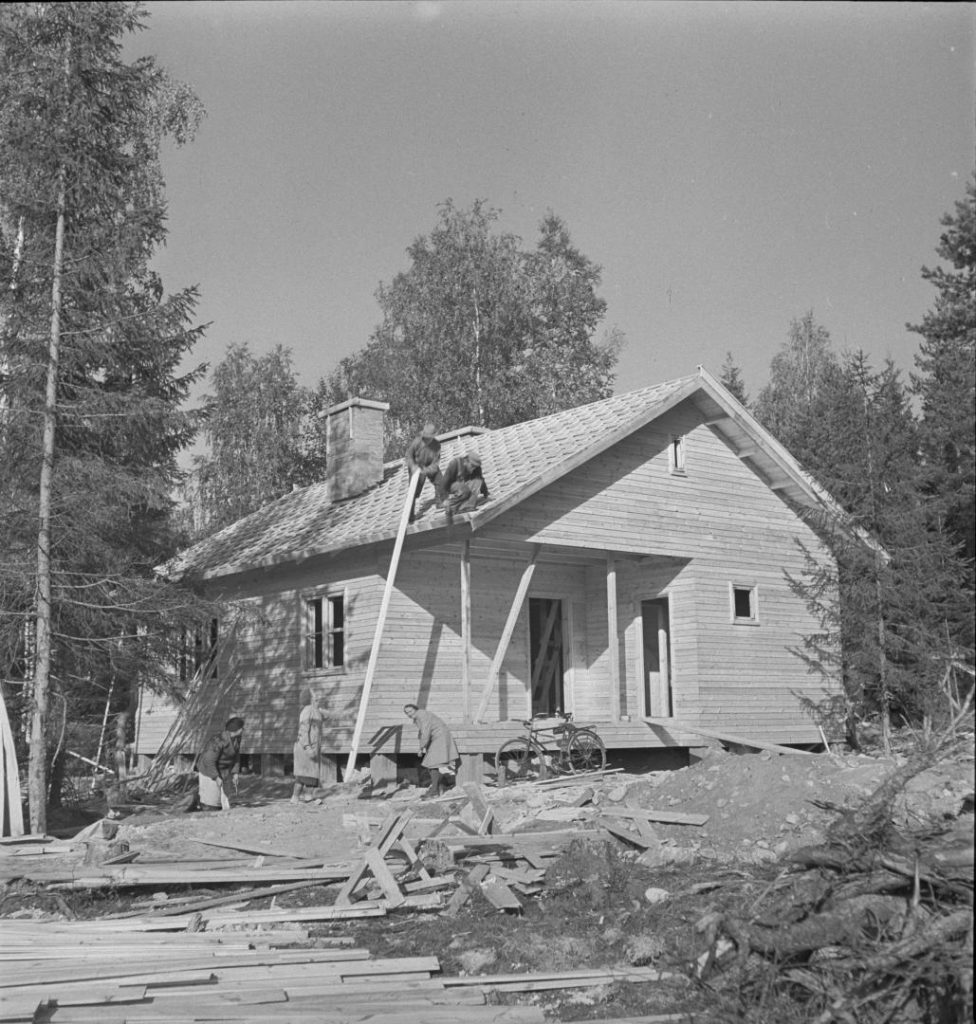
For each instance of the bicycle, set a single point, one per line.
(553, 743)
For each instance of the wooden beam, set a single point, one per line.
(466, 631)
(613, 640)
(11, 810)
(543, 648)
(380, 622)
(673, 725)
(506, 638)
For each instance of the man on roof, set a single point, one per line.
(424, 454)
(462, 486)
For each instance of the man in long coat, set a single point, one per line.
(438, 752)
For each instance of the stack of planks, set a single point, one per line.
(110, 972)
(97, 973)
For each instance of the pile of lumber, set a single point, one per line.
(875, 924)
(110, 972)
(447, 860)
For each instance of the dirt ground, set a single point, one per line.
(597, 907)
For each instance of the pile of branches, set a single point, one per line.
(875, 925)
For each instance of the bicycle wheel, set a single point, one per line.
(585, 752)
(519, 761)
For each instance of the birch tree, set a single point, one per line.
(479, 330)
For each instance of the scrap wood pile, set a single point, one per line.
(875, 924)
(446, 861)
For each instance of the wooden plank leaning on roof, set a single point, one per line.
(374, 652)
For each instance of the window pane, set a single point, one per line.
(742, 599)
(313, 639)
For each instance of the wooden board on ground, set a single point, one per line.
(390, 831)
(498, 894)
(665, 817)
(468, 885)
(725, 737)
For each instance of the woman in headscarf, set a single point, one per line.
(219, 761)
(308, 748)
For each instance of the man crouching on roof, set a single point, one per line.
(438, 752)
(219, 760)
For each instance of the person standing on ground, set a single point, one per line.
(219, 761)
(308, 748)
(438, 752)
(423, 453)
(462, 486)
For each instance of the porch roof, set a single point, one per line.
(517, 461)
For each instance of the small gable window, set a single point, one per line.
(676, 454)
(325, 632)
(745, 603)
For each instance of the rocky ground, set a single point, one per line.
(760, 806)
(602, 903)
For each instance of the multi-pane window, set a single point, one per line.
(324, 632)
(745, 603)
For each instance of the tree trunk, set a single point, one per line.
(37, 767)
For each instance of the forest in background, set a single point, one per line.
(480, 329)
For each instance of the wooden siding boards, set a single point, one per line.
(683, 536)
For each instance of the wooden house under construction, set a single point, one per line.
(631, 566)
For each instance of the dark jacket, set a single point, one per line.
(424, 454)
(220, 757)
(460, 471)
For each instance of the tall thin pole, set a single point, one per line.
(380, 623)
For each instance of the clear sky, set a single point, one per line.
(729, 165)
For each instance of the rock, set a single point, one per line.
(654, 895)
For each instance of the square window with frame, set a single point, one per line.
(676, 455)
(744, 603)
(325, 621)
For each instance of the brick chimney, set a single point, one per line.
(354, 447)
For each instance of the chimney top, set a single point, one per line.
(353, 447)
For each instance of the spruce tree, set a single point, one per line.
(945, 380)
(90, 354)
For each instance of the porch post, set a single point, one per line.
(466, 631)
(613, 639)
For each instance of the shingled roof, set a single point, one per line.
(516, 460)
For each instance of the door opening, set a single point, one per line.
(657, 657)
(546, 654)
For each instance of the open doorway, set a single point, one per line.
(656, 618)
(546, 654)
